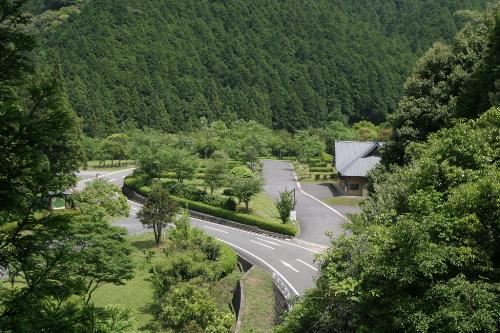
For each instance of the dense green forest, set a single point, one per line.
(286, 64)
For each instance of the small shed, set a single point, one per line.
(353, 161)
(59, 200)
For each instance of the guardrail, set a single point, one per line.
(284, 291)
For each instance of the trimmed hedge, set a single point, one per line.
(285, 229)
(318, 165)
(320, 169)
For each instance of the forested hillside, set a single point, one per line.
(286, 64)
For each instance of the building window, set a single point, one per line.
(354, 187)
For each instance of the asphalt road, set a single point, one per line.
(291, 262)
(315, 217)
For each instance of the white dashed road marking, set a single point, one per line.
(289, 266)
(305, 263)
(273, 243)
(265, 263)
(225, 232)
(261, 244)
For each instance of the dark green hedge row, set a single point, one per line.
(316, 169)
(318, 165)
(285, 229)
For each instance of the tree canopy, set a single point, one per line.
(285, 64)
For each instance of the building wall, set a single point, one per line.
(353, 185)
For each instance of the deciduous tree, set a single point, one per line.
(158, 211)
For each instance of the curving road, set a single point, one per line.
(314, 216)
(290, 261)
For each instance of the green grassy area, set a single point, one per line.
(222, 292)
(259, 313)
(344, 201)
(109, 165)
(262, 205)
(136, 293)
(58, 203)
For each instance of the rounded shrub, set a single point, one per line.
(230, 204)
(228, 191)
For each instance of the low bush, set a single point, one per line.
(229, 192)
(316, 169)
(230, 204)
(316, 177)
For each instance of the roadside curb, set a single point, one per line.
(134, 196)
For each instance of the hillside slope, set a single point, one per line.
(287, 64)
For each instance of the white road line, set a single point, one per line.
(251, 233)
(216, 229)
(134, 203)
(291, 244)
(112, 180)
(305, 263)
(269, 247)
(269, 242)
(260, 235)
(265, 263)
(314, 198)
(289, 266)
(104, 175)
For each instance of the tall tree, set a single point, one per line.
(432, 91)
(158, 211)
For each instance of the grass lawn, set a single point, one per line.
(262, 205)
(222, 292)
(259, 312)
(344, 201)
(94, 165)
(58, 203)
(136, 293)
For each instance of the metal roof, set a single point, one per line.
(353, 158)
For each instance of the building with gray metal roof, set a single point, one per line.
(353, 161)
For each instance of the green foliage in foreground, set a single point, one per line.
(191, 264)
(450, 81)
(425, 253)
(286, 64)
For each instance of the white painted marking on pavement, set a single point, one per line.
(314, 198)
(260, 235)
(112, 180)
(104, 175)
(265, 263)
(289, 266)
(251, 233)
(269, 242)
(305, 263)
(216, 229)
(269, 247)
